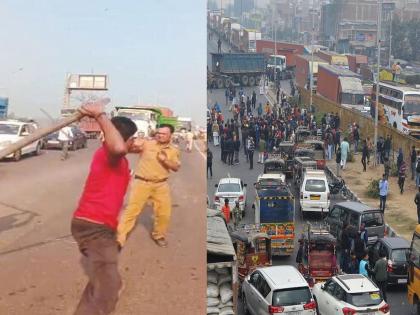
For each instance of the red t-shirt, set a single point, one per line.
(104, 190)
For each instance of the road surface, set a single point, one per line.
(397, 296)
(40, 272)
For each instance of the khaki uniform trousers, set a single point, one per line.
(141, 192)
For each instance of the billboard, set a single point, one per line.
(98, 82)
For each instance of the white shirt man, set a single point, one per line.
(65, 134)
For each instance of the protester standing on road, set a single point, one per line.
(64, 136)
(364, 265)
(370, 149)
(237, 214)
(226, 210)
(95, 220)
(345, 149)
(251, 149)
(158, 157)
(261, 151)
(383, 192)
(400, 158)
(364, 155)
(381, 274)
(219, 46)
(338, 160)
(209, 163)
(401, 175)
(356, 137)
(413, 160)
(417, 202)
(237, 147)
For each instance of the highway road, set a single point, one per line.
(40, 272)
(397, 296)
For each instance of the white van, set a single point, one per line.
(277, 289)
(314, 192)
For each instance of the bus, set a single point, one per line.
(413, 287)
(399, 106)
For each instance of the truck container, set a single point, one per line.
(341, 86)
(4, 106)
(356, 62)
(303, 70)
(249, 38)
(166, 111)
(90, 126)
(242, 68)
(236, 37)
(289, 50)
(333, 58)
(222, 263)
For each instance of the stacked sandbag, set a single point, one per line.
(219, 292)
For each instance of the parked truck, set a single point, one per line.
(303, 70)
(242, 68)
(87, 124)
(288, 50)
(341, 86)
(249, 38)
(334, 58)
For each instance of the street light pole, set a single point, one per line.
(390, 42)
(378, 43)
(312, 63)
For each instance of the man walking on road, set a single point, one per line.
(413, 160)
(381, 274)
(209, 163)
(383, 192)
(345, 149)
(157, 159)
(251, 149)
(95, 221)
(64, 136)
(417, 202)
(219, 46)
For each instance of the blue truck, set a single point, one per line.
(243, 69)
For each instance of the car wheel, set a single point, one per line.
(18, 155)
(246, 310)
(38, 149)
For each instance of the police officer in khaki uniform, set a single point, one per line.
(157, 158)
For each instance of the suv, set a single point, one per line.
(232, 189)
(12, 131)
(356, 213)
(277, 289)
(396, 250)
(349, 294)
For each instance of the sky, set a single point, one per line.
(153, 52)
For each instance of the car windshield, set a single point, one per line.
(364, 299)
(315, 185)
(229, 187)
(399, 254)
(134, 116)
(268, 183)
(412, 104)
(294, 296)
(9, 129)
(372, 219)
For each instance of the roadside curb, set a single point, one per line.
(389, 231)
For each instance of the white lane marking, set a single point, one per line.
(199, 151)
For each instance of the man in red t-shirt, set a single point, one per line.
(96, 218)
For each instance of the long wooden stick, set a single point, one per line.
(42, 132)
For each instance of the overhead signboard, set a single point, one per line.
(96, 82)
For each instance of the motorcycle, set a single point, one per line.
(338, 187)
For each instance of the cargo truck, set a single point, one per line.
(289, 50)
(334, 58)
(249, 38)
(341, 86)
(244, 69)
(303, 70)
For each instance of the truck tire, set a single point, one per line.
(228, 82)
(219, 83)
(251, 81)
(244, 80)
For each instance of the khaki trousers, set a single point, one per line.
(141, 192)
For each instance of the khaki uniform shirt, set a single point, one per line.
(149, 166)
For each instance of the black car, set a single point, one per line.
(77, 141)
(396, 250)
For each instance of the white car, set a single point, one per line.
(277, 289)
(12, 131)
(349, 294)
(314, 192)
(233, 189)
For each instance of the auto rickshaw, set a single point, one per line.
(317, 257)
(300, 165)
(302, 134)
(253, 250)
(287, 152)
(304, 152)
(318, 149)
(277, 166)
